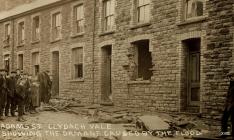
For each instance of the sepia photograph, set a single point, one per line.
(116, 69)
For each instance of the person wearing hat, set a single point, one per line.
(20, 97)
(11, 102)
(3, 92)
(229, 108)
(18, 74)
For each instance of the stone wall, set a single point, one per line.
(218, 55)
(166, 31)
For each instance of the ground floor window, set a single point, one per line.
(7, 62)
(20, 61)
(140, 60)
(35, 63)
(77, 63)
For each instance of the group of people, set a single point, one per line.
(22, 93)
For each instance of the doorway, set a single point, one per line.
(193, 71)
(55, 74)
(106, 92)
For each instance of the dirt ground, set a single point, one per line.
(45, 126)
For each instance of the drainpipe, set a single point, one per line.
(94, 30)
(13, 45)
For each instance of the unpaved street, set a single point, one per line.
(45, 126)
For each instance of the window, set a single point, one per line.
(142, 60)
(36, 28)
(109, 11)
(79, 18)
(56, 26)
(7, 62)
(77, 63)
(20, 61)
(21, 33)
(143, 11)
(35, 63)
(194, 8)
(7, 34)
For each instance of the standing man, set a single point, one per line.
(20, 97)
(229, 108)
(18, 74)
(3, 92)
(11, 102)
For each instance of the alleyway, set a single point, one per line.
(58, 121)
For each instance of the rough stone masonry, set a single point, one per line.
(180, 49)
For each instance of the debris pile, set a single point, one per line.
(131, 120)
(61, 104)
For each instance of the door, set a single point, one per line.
(106, 74)
(194, 78)
(55, 74)
(194, 72)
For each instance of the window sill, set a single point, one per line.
(6, 45)
(139, 82)
(56, 40)
(77, 80)
(192, 20)
(35, 42)
(107, 33)
(20, 45)
(140, 25)
(77, 35)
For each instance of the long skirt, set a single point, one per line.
(35, 95)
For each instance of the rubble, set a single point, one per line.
(153, 123)
(131, 120)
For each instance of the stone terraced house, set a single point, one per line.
(151, 55)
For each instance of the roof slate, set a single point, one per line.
(25, 8)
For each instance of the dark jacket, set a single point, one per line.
(3, 84)
(3, 90)
(21, 89)
(11, 86)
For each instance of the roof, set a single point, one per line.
(25, 8)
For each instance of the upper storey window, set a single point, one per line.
(56, 26)
(36, 28)
(21, 33)
(194, 8)
(143, 11)
(7, 34)
(79, 15)
(109, 12)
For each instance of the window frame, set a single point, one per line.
(34, 38)
(53, 37)
(103, 28)
(73, 64)
(77, 21)
(32, 64)
(108, 15)
(18, 66)
(7, 37)
(134, 24)
(21, 34)
(186, 10)
(138, 7)
(7, 58)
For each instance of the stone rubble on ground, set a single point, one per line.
(132, 120)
